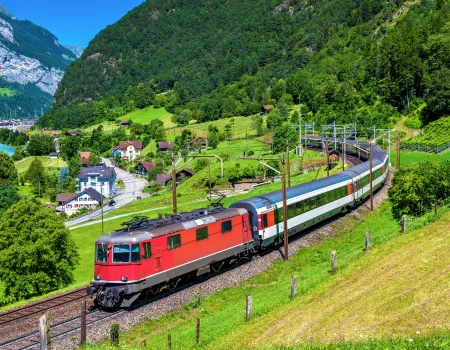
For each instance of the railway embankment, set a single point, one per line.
(265, 277)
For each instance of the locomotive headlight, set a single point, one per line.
(97, 277)
(124, 278)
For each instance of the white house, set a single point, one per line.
(70, 203)
(99, 177)
(130, 150)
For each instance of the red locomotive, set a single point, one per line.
(150, 255)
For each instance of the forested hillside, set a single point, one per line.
(361, 61)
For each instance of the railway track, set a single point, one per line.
(42, 306)
(31, 340)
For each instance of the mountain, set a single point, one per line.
(77, 50)
(358, 61)
(33, 63)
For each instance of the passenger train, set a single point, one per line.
(150, 255)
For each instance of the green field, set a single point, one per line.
(240, 127)
(48, 163)
(7, 92)
(146, 115)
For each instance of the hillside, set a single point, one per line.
(33, 62)
(197, 49)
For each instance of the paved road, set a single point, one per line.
(133, 189)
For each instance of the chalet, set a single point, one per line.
(163, 179)
(184, 174)
(99, 177)
(70, 203)
(54, 155)
(197, 143)
(164, 146)
(73, 133)
(130, 150)
(266, 108)
(144, 167)
(84, 157)
(125, 123)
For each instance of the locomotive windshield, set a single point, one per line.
(121, 253)
(102, 253)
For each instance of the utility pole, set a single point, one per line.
(209, 170)
(398, 151)
(371, 176)
(389, 147)
(343, 157)
(300, 126)
(101, 208)
(328, 158)
(285, 225)
(288, 164)
(174, 186)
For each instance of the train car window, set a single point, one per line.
(147, 250)
(343, 192)
(326, 198)
(135, 253)
(265, 220)
(298, 208)
(173, 242)
(102, 253)
(226, 227)
(279, 214)
(202, 233)
(121, 253)
(306, 206)
(291, 211)
(268, 205)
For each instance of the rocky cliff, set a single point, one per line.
(32, 62)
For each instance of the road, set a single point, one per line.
(133, 189)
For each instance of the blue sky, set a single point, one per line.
(74, 22)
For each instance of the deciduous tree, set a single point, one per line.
(39, 257)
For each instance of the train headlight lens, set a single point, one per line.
(97, 277)
(124, 278)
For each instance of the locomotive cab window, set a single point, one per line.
(135, 253)
(226, 227)
(202, 233)
(102, 253)
(147, 250)
(173, 242)
(265, 221)
(121, 253)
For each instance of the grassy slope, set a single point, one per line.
(7, 92)
(398, 289)
(47, 162)
(146, 115)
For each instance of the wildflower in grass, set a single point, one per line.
(417, 332)
(410, 340)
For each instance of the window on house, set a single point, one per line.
(173, 242)
(202, 233)
(227, 226)
(147, 250)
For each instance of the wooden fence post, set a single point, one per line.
(248, 308)
(114, 335)
(44, 332)
(435, 208)
(367, 242)
(293, 286)
(198, 331)
(83, 323)
(333, 261)
(199, 295)
(403, 223)
(169, 341)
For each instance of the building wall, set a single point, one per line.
(130, 153)
(84, 201)
(104, 187)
